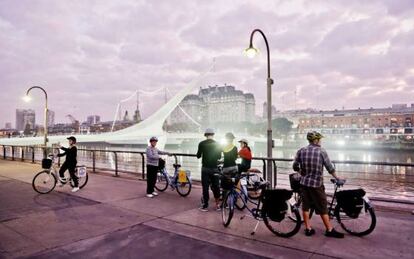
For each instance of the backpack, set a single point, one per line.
(275, 203)
(351, 201)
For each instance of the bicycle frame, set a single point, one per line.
(170, 179)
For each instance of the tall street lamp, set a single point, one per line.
(251, 52)
(27, 99)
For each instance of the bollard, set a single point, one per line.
(33, 155)
(116, 163)
(12, 151)
(22, 153)
(143, 166)
(4, 152)
(93, 161)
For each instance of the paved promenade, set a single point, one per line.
(112, 218)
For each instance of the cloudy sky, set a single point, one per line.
(91, 54)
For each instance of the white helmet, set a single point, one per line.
(209, 131)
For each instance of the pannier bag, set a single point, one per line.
(161, 164)
(295, 182)
(46, 163)
(351, 201)
(228, 181)
(275, 203)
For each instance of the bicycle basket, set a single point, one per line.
(351, 201)
(161, 164)
(295, 182)
(253, 185)
(81, 171)
(46, 163)
(275, 203)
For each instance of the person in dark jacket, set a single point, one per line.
(210, 152)
(230, 168)
(69, 164)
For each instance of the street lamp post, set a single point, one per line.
(46, 115)
(251, 52)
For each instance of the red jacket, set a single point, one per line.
(245, 153)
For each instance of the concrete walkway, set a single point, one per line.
(111, 217)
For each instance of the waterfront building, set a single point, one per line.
(215, 104)
(25, 117)
(93, 119)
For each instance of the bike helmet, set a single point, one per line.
(243, 140)
(153, 139)
(72, 138)
(312, 135)
(230, 135)
(209, 131)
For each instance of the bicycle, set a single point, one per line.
(353, 211)
(272, 207)
(45, 181)
(180, 181)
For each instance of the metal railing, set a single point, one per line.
(122, 161)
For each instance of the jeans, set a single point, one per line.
(151, 178)
(209, 179)
(71, 167)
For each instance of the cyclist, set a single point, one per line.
(69, 164)
(153, 163)
(210, 152)
(309, 161)
(230, 154)
(245, 154)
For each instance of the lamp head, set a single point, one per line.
(27, 98)
(251, 52)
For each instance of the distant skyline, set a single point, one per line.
(89, 55)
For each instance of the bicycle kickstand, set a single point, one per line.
(255, 228)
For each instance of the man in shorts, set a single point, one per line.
(310, 161)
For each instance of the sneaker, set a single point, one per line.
(150, 196)
(203, 209)
(75, 189)
(309, 232)
(334, 233)
(155, 193)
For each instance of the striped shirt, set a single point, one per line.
(310, 161)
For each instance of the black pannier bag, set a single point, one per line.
(161, 164)
(229, 180)
(274, 203)
(46, 163)
(295, 182)
(351, 201)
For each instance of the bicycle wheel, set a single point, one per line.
(227, 209)
(162, 183)
(44, 182)
(241, 200)
(287, 227)
(363, 225)
(183, 189)
(82, 181)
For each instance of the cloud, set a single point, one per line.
(91, 54)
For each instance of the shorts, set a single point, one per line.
(315, 198)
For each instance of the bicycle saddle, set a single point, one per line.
(338, 182)
(176, 165)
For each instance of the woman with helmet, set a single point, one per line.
(153, 162)
(245, 154)
(69, 164)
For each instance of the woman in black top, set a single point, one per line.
(69, 164)
(230, 155)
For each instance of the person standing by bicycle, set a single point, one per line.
(153, 163)
(230, 155)
(210, 152)
(245, 154)
(310, 161)
(69, 164)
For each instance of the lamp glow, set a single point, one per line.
(251, 52)
(27, 98)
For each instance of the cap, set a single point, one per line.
(244, 141)
(72, 138)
